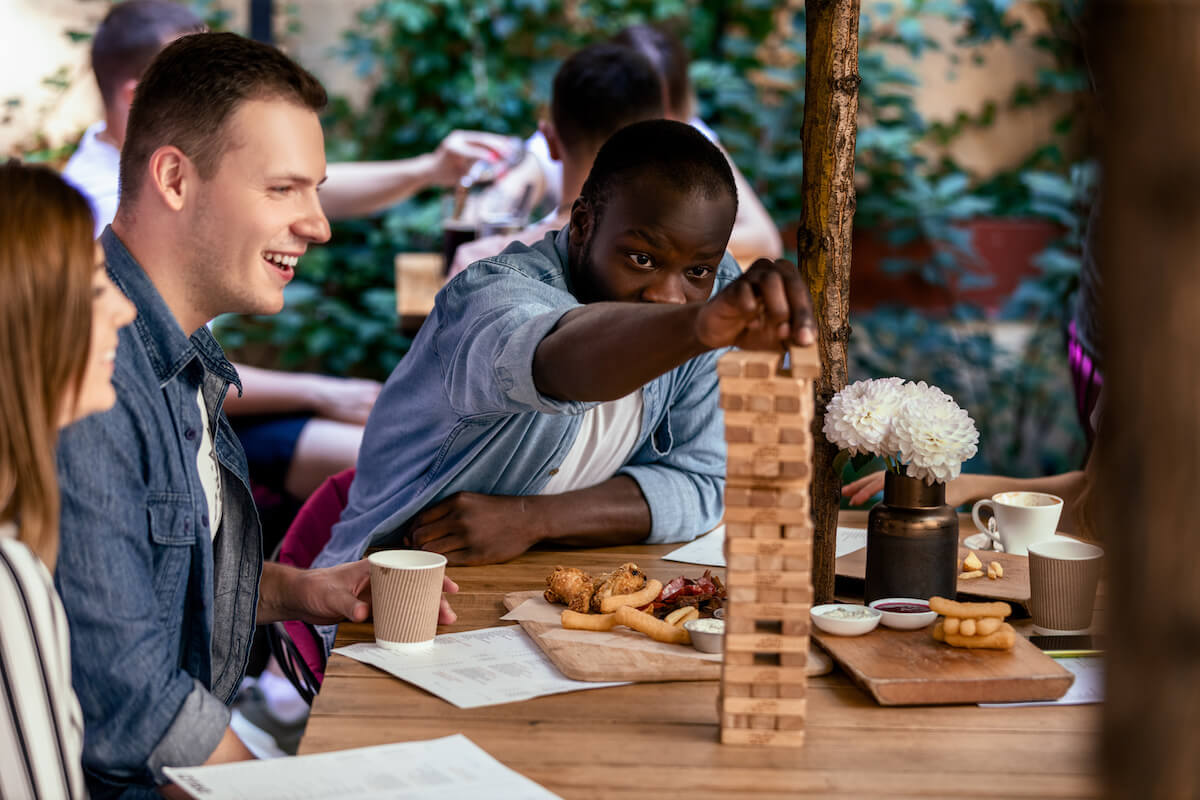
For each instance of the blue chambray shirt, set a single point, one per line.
(161, 616)
(461, 412)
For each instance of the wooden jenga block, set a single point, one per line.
(765, 700)
(770, 611)
(758, 673)
(777, 546)
(761, 494)
(762, 738)
(768, 403)
(774, 579)
(799, 531)
(776, 517)
(765, 643)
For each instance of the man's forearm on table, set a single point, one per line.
(610, 513)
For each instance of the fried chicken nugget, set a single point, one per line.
(570, 586)
(625, 579)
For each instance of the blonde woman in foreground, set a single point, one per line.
(59, 317)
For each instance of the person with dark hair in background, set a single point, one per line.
(754, 234)
(297, 428)
(59, 318)
(597, 91)
(566, 391)
(161, 570)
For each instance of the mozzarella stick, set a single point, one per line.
(647, 594)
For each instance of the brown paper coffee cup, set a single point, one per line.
(1063, 575)
(406, 589)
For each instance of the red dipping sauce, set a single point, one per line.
(903, 608)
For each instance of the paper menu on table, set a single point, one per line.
(1087, 688)
(709, 549)
(475, 668)
(449, 768)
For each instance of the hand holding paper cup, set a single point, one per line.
(1019, 519)
(406, 592)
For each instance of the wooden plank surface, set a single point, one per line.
(662, 738)
(910, 668)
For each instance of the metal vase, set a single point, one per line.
(912, 541)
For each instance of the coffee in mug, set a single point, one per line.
(1018, 519)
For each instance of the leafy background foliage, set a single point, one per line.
(437, 65)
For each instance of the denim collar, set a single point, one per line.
(169, 348)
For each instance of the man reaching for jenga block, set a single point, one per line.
(567, 390)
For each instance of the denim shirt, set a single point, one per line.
(160, 614)
(461, 412)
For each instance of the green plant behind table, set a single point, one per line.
(446, 64)
(436, 65)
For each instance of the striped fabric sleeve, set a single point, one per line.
(41, 725)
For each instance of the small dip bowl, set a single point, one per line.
(904, 613)
(845, 619)
(708, 635)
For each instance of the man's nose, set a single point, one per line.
(313, 226)
(665, 288)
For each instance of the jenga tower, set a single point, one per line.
(768, 544)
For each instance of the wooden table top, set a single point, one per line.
(661, 739)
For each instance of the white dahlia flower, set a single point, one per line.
(859, 417)
(933, 436)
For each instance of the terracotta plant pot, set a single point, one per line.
(1004, 248)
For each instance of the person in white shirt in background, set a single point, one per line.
(59, 317)
(300, 427)
(754, 234)
(597, 91)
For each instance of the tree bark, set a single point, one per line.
(826, 223)
(1148, 442)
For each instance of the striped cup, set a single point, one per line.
(406, 589)
(1063, 575)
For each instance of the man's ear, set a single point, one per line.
(171, 176)
(583, 220)
(552, 141)
(125, 92)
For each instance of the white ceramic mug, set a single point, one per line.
(1019, 519)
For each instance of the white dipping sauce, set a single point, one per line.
(707, 625)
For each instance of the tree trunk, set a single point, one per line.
(826, 224)
(1148, 442)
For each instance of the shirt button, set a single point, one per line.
(554, 471)
(190, 434)
(204, 520)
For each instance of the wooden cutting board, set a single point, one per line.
(903, 668)
(609, 662)
(1013, 587)
(612, 662)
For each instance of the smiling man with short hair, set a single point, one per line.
(161, 569)
(566, 391)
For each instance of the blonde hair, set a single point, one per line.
(46, 261)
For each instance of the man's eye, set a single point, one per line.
(699, 273)
(281, 189)
(641, 259)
